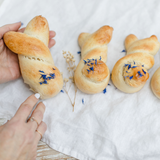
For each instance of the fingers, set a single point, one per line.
(22, 30)
(40, 131)
(26, 107)
(52, 34)
(9, 27)
(37, 115)
(52, 42)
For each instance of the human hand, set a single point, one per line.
(18, 138)
(9, 66)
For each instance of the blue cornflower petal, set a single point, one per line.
(104, 91)
(82, 101)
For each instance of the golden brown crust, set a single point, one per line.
(92, 74)
(155, 83)
(130, 72)
(36, 63)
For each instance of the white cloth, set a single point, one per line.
(112, 126)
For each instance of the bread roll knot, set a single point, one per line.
(130, 73)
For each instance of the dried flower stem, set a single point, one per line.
(71, 68)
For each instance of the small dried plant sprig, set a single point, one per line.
(71, 67)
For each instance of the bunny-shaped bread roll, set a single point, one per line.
(130, 72)
(36, 63)
(92, 74)
(155, 83)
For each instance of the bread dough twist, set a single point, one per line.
(130, 72)
(35, 60)
(92, 74)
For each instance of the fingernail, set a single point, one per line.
(45, 103)
(37, 95)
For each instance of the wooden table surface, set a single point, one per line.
(44, 152)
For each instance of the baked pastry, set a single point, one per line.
(92, 74)
(155, 83)
(130, 72)
(35, 60)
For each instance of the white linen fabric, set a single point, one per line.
(110, 126)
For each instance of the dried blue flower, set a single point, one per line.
(125, 65)
(140, 75)
(43, 76)
(85, 61)
(130, 77)
(62, 91)
(92, 63)
(41, 71)
(89, 60)
(48, 78)
(100, 58)
(40, 83)
(142, 65)
(143, 71)
(45, 82)
(88, 64)
(79, 52)
(95, 61)
(134, 66)
(123, 50)
(129, 66)
(88, 71)
(104, 91)
(109, 84)
(52, 75)
(134, 62)
(91, 68)
(53, 68)
(82, 101)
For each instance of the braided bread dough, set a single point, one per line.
(155, 83)
(35, 60)
(92, 74)
(130, 72)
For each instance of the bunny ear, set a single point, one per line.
(38, 28)
(129, 40)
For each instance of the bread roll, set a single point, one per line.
(130, 72)
(92, 74)
(35, 60)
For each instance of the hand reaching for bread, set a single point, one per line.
(130, 72)
(92, 74)
(36, 63)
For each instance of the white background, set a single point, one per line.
(112, 126)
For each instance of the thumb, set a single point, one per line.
(9, 27)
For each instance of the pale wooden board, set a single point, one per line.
(44, 152)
